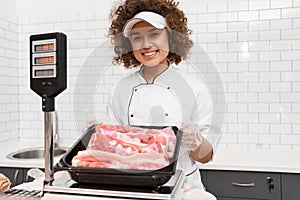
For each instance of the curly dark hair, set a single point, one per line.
(179, 41)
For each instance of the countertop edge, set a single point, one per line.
(224, 159)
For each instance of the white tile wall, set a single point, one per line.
(84, 34)
(258, 42)
(255, 45)
(9, 95)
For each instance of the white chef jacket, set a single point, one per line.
(172, 99)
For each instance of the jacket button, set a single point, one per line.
(131, 115)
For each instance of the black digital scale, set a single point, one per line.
(48, 78)
(172, 190)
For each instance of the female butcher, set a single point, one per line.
(152, 37)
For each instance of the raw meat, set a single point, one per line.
(125, 147)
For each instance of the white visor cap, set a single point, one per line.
(152, 18)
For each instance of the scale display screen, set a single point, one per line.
(44, 72)
(44, 59)
(43, 45)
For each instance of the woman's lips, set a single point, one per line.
(149, 54)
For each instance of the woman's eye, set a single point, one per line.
(154, 34)
(136, 38)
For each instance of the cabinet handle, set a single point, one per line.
(243, 184)
(271, 184)
(16, 176)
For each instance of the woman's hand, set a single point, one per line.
(103, 119)
(191, 136)
(201, 149)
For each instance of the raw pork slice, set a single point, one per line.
(125, 147)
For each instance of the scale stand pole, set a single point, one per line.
(48, 138)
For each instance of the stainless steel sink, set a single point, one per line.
(34, 153)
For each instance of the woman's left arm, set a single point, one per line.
(197, 132)
(204, 152)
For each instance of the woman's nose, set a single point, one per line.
(147, 43)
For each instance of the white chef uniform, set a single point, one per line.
(172, 99)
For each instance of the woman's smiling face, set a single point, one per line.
(150, 45)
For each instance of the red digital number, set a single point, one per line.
(49, 59)
(47, 47)
(51, 46)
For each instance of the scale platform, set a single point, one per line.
(173, 189)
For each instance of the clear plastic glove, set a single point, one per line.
(191, 136)
(102, 120)
(35, 173)
(89, 124)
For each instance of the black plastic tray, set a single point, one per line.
(110, 176)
